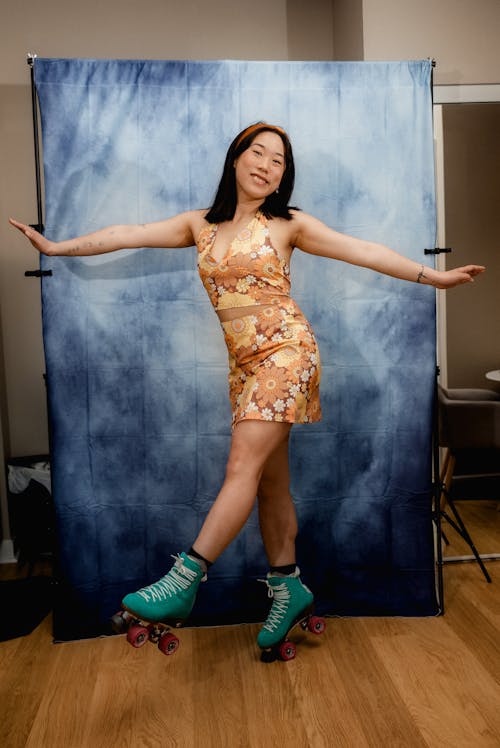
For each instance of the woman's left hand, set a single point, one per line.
(457, 276)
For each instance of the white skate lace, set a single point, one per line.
(179, 578)
(281, 598)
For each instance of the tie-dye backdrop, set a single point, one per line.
(136, 363)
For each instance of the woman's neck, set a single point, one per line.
(246, 210)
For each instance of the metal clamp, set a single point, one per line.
(438, 250)
(37, 273)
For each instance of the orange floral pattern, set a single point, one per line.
(274, 369)
(274, 364)
(252, 272)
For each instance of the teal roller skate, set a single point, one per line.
(149, 614)
(293, 604)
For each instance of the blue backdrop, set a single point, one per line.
(136, 362)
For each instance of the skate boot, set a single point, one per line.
(292, 604)
(172, 597)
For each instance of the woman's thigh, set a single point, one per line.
(254, 442)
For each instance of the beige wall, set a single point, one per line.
(459, 33)
(154, 29)
(472, 219)
(348, 29)
(462, 35)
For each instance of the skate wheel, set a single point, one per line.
(137, 635)
(287, 650)
(316, 625)
(119, 622)
(168, 644)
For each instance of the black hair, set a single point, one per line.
(275, 205)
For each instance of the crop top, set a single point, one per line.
(251, 273)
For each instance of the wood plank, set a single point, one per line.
(376, 703)
(328, 715)
(473, 587)
(272, 715)
(477, 625)
(367, 682)
(62, 714)
(451, 697)
(27, 663)
(220, 714)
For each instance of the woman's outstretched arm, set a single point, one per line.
(173, 232)
(315, 237)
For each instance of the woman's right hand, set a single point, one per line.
(39, 242)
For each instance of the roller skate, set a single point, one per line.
(151, 613)
(293, 604)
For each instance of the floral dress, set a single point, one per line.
(274, 364)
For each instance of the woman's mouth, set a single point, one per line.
(259, 180)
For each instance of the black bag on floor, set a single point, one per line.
(24, 604)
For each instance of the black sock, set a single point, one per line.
(286, 570)
(195, 554)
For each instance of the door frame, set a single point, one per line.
(449, 94)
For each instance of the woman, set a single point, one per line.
(245, 242)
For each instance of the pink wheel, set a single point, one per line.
(168, 644)
(316, 625)
(137, 635)
(287, 650)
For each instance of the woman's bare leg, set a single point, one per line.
(251, 446)
(277, 517)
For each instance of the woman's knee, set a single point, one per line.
(242, 465)
(251, 448)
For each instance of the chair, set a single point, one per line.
(469, 430)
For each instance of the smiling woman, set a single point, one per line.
(260, 166)
(275, 200)
(245, 242)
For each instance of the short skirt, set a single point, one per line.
(274, 365)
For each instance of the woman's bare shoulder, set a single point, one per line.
(196, 217)
(300, 218)
(288, 231)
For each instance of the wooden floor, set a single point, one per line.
(365, 682)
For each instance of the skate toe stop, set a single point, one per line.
(268, 655)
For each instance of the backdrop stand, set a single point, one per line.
(436, 484)
(152, 437)
(36, 140)
(457, 523)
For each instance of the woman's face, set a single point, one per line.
(260, 168)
